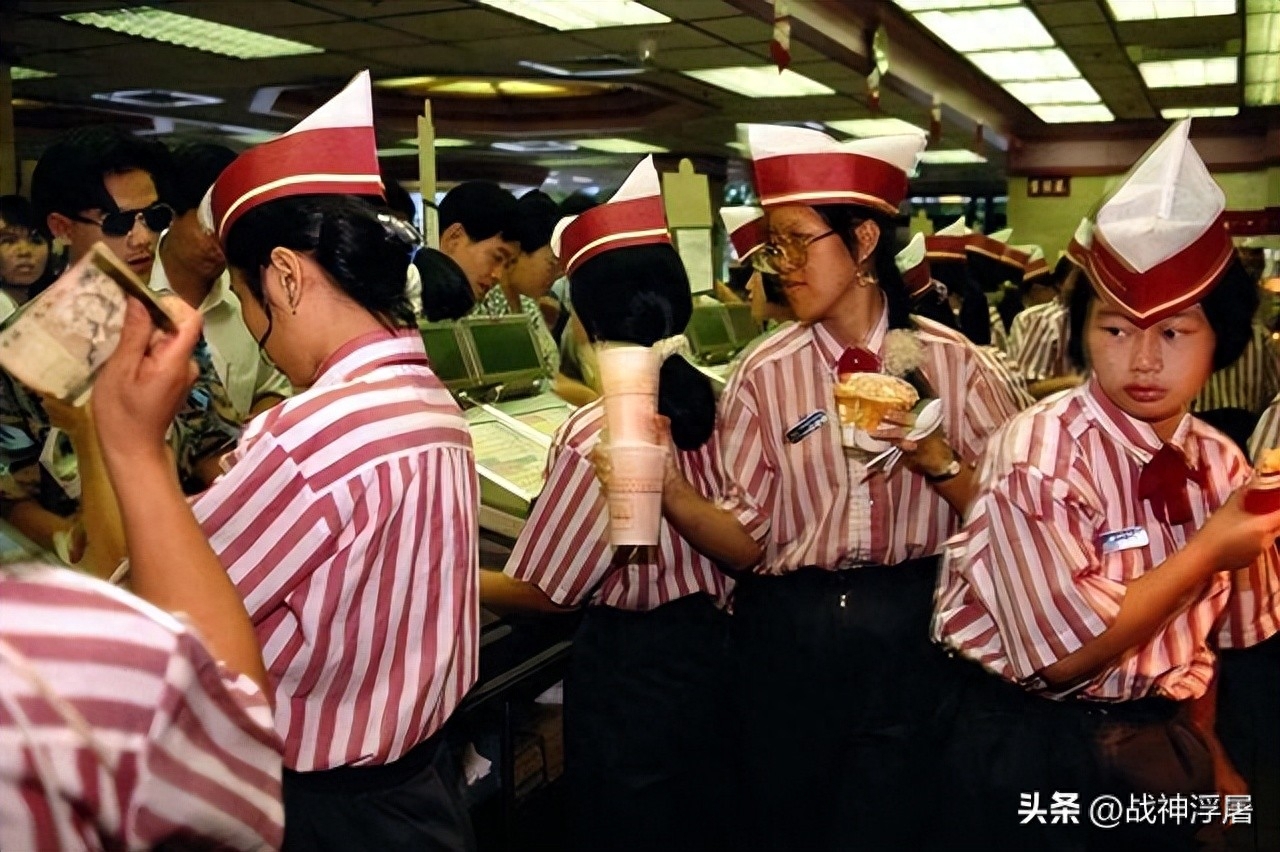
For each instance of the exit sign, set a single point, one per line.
(1048, 187)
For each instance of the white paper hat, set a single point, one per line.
(747, 229)
(633, 217)
(914, 266)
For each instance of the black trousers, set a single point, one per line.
(414, 803)
(839, 692)
(645, 728)
(1007, 743)
(1249, 728)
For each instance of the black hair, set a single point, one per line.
(68, 179)
(481, 207)
(973, 319)
(932, 304)
(535, 218)
(364, 258)
(398, 200)
(844, 220)
(640, 294)
(196, 165)
(1229, 307)
(739, 277)
(446, 292)
(578, 203)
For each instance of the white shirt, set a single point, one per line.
(244, 372)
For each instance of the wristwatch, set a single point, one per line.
(950, 471)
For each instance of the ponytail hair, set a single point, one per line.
(363, 258)
(640, 295)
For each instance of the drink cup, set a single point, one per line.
(635, 493)
(629, 378)
(1263, 496)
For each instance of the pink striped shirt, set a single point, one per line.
(118, 730)
(1038, 342)
(1266, 435)
(1028, 581)
(348, 523)
(564, 547)
(805, 502)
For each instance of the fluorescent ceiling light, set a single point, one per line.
(557, 71)
(931, 5)
(1003, 28)
(619, 146)
(162, 98)
(864, 127)
(761, 81)
(1063, 114)
(1054, 92)
(534, 146)
(18, 72)
(1006, 66)
(195, 33)
(1199, 112)
(951, 157)
(396, 152)
(1262, 53)
(1180, 73)
(580, 14)
(1150, 10)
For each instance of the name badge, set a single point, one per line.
(807, 426)
(1126, 539)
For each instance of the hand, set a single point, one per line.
(927, 456)
(1233, 538)
(145, 382)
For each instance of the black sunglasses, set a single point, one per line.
(157, 217)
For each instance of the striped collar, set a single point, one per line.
(1138, 438)
(369, 351)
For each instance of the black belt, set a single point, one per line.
(361, 779)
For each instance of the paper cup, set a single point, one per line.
(630, 417)
(628, 370)
(635, 493)
(1263, 496)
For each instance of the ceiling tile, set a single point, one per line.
(712, 57)
(463, 25)
(668, 37)
(365, 9)
(503, 54)
(1086, 34)
(1070, 12)
(36, 34)
(252, 14)
(349, 35)
(428, 59)
(693, 10)
(739, 30)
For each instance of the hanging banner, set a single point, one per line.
(780, 46)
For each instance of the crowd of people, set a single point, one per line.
(1056, 595)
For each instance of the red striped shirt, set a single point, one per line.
(119, 730)
(805, 502)
(564, 547)
(348, 523)
(1027, 582)
(1038, 342)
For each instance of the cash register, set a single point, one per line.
(717, 332)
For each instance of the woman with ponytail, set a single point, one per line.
(346, 515)
(644, 723)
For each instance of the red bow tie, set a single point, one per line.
(1163, 481)
(855, 359)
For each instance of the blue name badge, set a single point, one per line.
(1126, 539)
(808, 424)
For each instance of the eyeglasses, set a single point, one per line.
(157, 217)
(786, 254)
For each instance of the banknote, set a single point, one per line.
(56, 343)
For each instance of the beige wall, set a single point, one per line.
(1050, 222)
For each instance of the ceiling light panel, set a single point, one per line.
(580, 14)
(1151, 10)
(1005, 66)
(863, 127)
(761, 81)
(1076, 91)
(1262, 53)
(1002, 28)
(18, 72)
(1173, 113)
(1072, 113)
(953, 157)
(1183, 73)
(195, 33)
(619, 146)
(951, 5)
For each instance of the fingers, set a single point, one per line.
(135, 340)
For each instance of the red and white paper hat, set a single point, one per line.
(1157, 243)
(949, 243)
(633, 217)
(748, 230)
(995, 246)
(796, 165)
(914, 266)
(1035, 266)
(333, 151)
